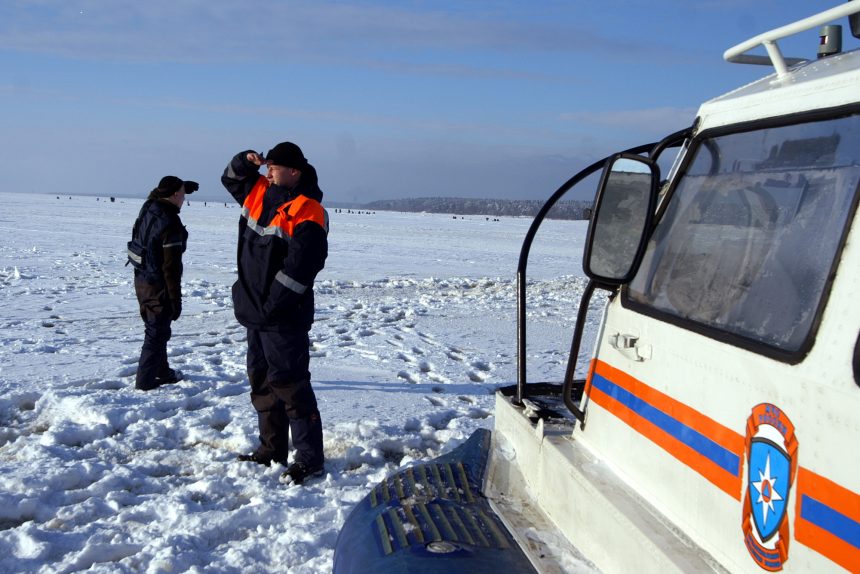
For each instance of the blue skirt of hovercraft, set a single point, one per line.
(430, 518)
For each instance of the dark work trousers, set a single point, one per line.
(156, 320)
(281, 393)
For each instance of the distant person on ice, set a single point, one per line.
(155, 250)
(283, 244)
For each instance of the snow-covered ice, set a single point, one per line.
(416, 327)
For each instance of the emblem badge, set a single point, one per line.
(771, 462)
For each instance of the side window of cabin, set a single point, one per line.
(750, 236)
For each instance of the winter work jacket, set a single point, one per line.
(158, 241)
(283, 244)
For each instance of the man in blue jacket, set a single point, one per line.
(283, 244)
(158, 241)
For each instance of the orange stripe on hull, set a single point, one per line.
(725, 437)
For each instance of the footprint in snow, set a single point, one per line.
(438, 378)
(455, 355)
(482, 366)
(429, 339)
(28, 401)
(477, 377)
(478, 413)
(440, 421)
(107, 385)
(218, 419)
(434, 401)
(367, 354)
(391, 319)
(412, 425)
(195, 403)
(127, 371)
(232, 390)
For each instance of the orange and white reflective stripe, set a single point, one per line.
(288, 216)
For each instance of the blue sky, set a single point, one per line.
(503, 99)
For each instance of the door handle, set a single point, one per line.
(630, 346)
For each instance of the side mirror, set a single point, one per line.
(622, 217)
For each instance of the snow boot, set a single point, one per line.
(299, 472)
(169, 377)
(257, 457)
(308, 440)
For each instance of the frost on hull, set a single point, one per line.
(430, 518)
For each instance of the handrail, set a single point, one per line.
(573, 356)
(523, 263)
(738, 54)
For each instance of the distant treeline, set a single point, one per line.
(497, 207)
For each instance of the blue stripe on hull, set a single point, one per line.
(721, 456)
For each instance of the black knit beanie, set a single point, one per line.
(287, 154)
(168, 185)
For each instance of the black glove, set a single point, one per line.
(177, 309)
(191, 186)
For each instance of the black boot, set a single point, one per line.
(146, 378)
(274, 437)
(308, 440)
(299, 472)
(153, 354)
(169, 377)
(257, 457)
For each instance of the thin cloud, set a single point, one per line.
(198, 30)
(664, 119)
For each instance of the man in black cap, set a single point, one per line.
(283, 244)
(155, 250)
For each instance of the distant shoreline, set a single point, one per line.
(567, 210)
(570, 210)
